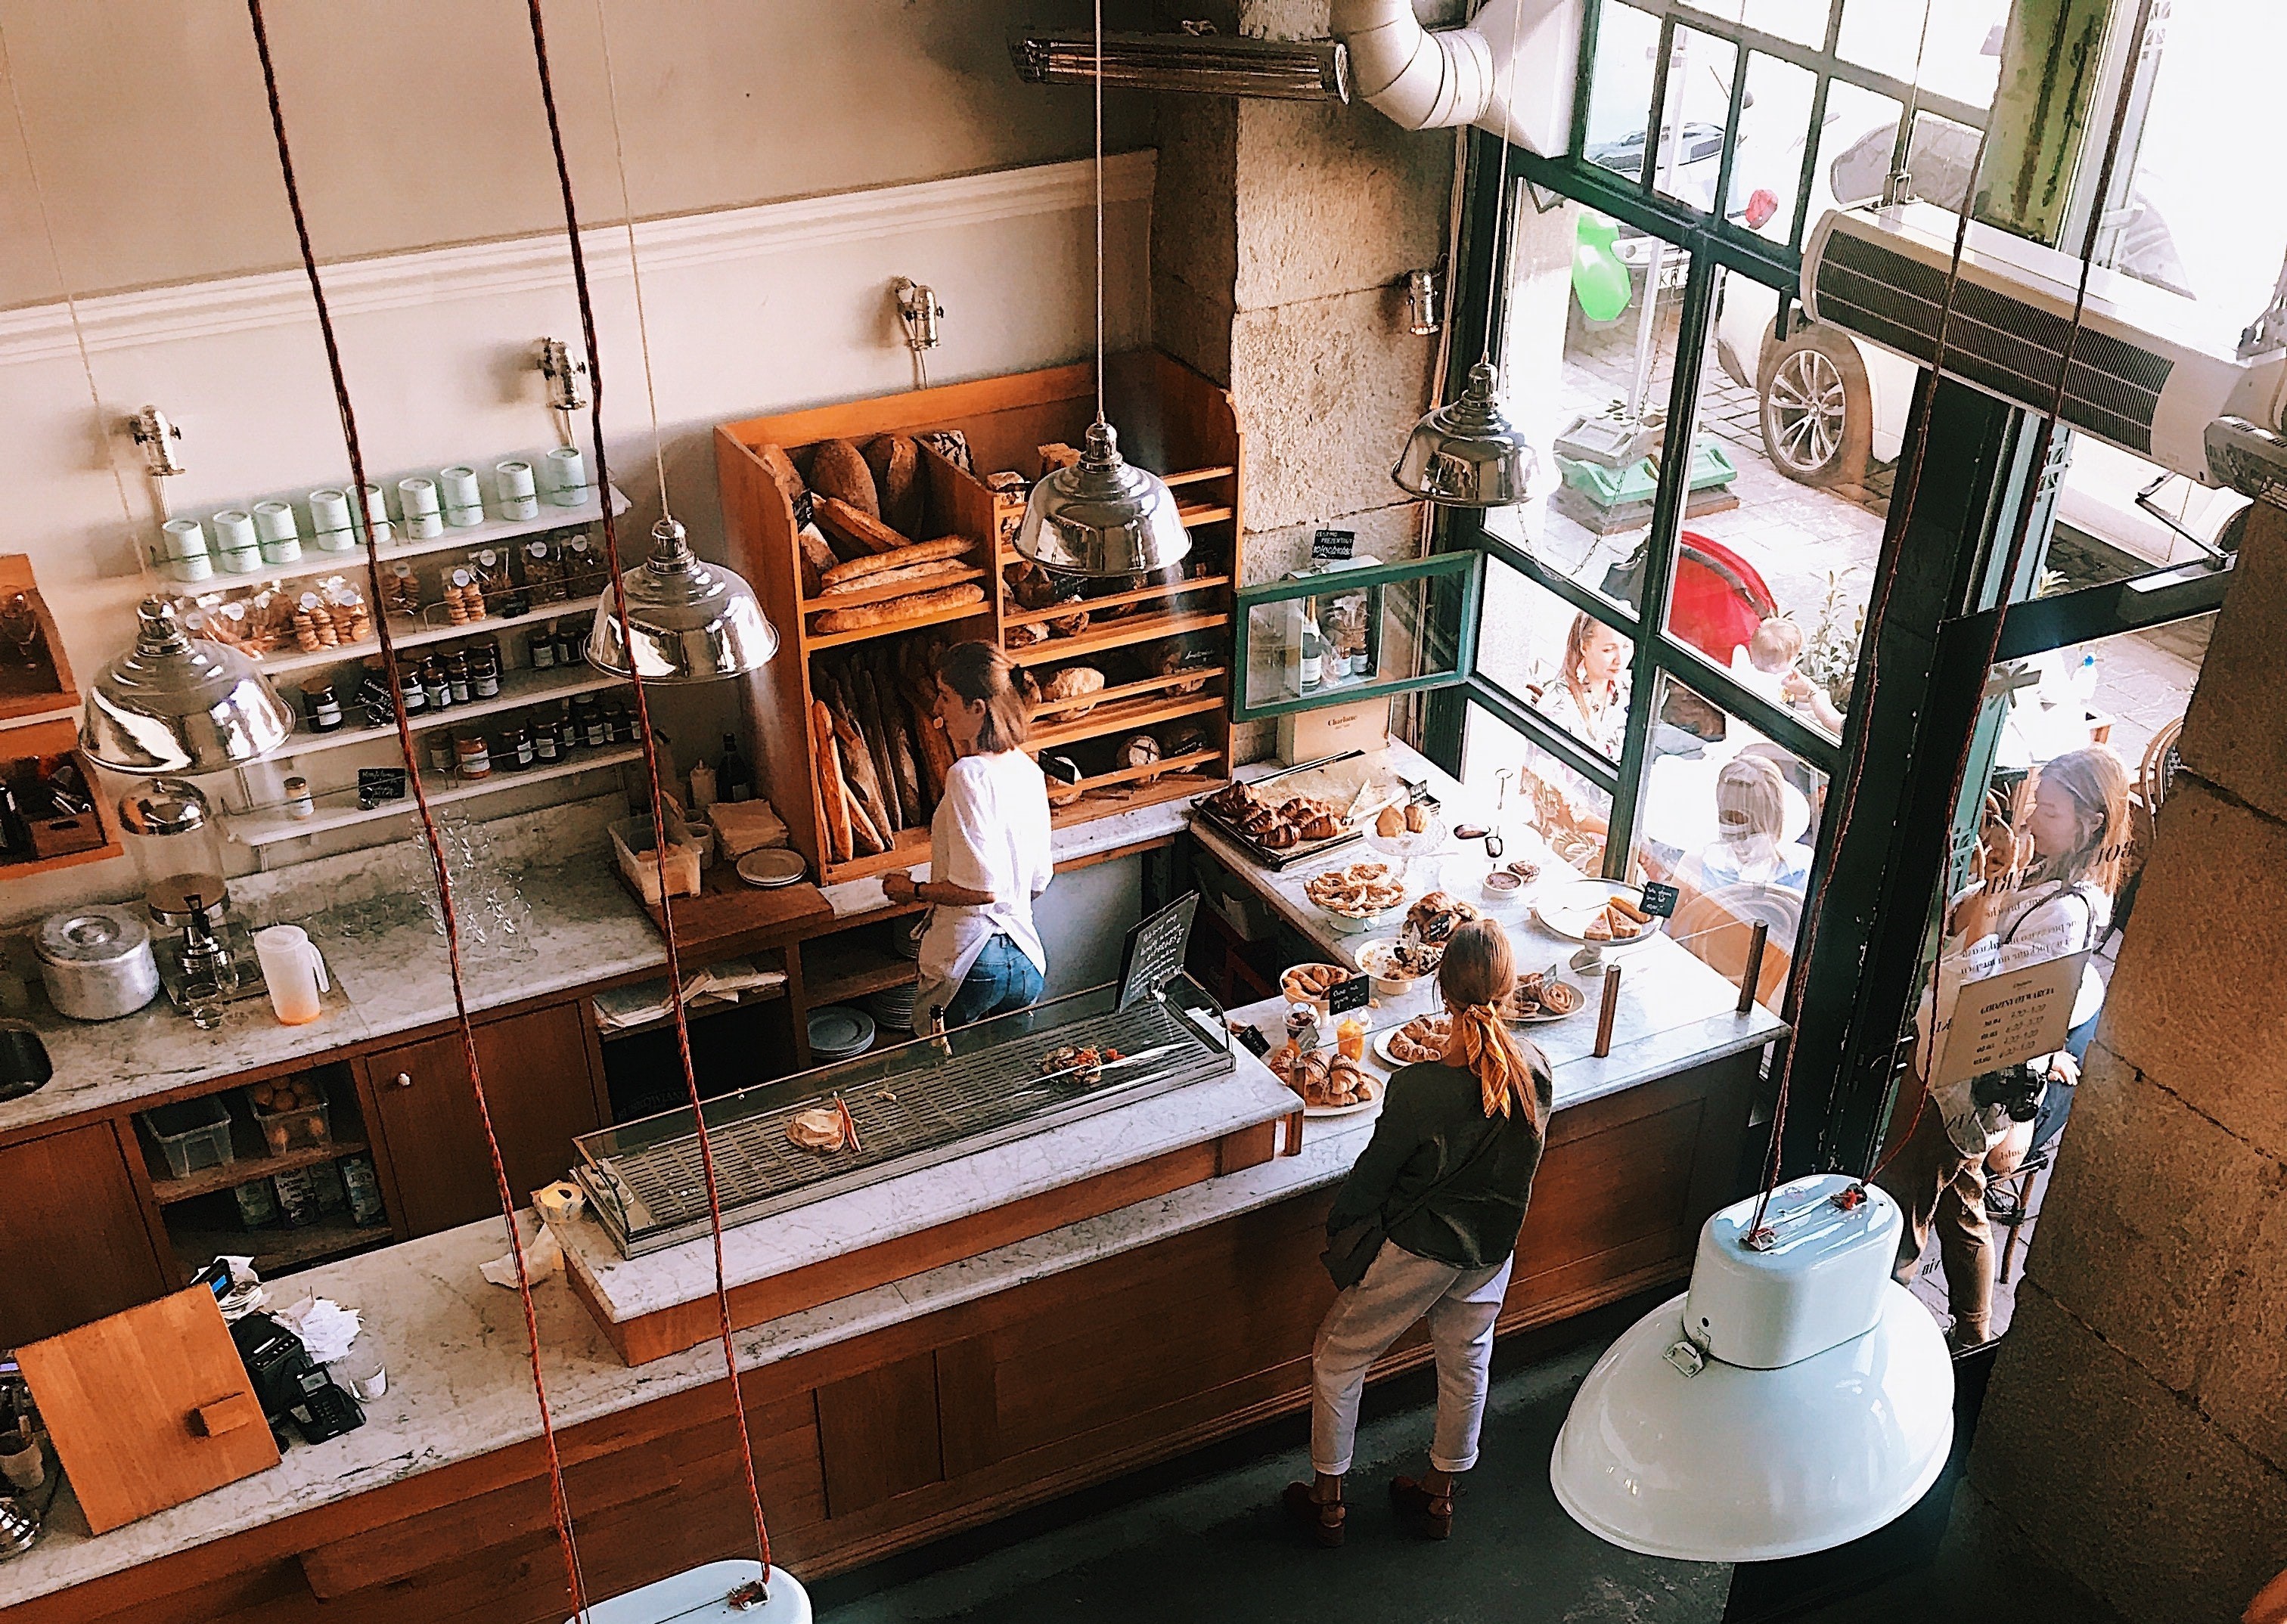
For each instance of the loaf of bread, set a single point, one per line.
(910, 576)
(817, 559)
(896, 469)
(1071, 683)
(898, 559)
(894, 609)
(838, 470)
(855, 532)
(834, 804)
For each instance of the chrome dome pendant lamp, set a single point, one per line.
(1102, 515)
(1465, 453)
(179, 704)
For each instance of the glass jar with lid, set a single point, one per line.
(169, 827)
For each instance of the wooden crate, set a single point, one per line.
(1170, 419)
(25, 751)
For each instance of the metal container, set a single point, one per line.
(97, 962)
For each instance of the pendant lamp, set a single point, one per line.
(687, 621)
(719, 1590)
(1795, 1399)
(176, 703)
(1102, 515)
(1467, 453)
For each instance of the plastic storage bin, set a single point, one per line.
(293, 1115)
(193, 1135)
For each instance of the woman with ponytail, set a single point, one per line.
(1438, 1196)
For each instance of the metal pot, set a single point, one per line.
(97, 962)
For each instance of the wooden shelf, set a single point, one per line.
(1129, 774)
(1126, 717)
(844, 970)
(1202, 513)
(912, 846)
(206, 1181)
(896, 628)
(268, 825)
(276, 1251)
(350, 560)
(895, 589)
(1196, 476)
(519, 687)
(1047, 710)
(1113, 600)
(59, 735)
(1119, 634)
(1176, 787)
(280, 662)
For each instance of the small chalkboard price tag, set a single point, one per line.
(1333, 546)
(378, 785)
(1253, 1042)
(1343, 997)
(1659, 900)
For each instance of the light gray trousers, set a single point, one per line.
(1398, 1289)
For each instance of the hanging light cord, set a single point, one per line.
(1099, 210)
(635, 265)
(1500, 186)
(558, 1506)
(651, 768)
(1799, 975)
(71, 306)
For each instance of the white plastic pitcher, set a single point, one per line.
(293, 971)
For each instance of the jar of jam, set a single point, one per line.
(409, 690)
(484, 669)
(567, 730)
(440, 753)
(456, 673)
(570, 647)
(515, 752)
(1349, 1035)
(298, 803)
(588, 717)
(619, 722)
(540, 647)
(544, 747)
(472, 757)
(433, 683)
(323, 708)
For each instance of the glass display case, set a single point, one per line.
(1353, 630)
(908, 1106)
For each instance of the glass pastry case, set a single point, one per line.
(1357, 629)
(786, 1143)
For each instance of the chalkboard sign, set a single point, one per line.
(1659, 900)
(1154, 949)
(1253, 1042)
(1333, 546)
(377, 785)
(1343, 997)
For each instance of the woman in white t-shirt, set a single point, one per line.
(989, 858)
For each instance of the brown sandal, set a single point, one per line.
(1324, 1519)
(1431, 1515)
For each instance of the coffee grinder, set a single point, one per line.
(177, 841)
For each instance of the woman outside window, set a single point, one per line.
(1445, 1182)
(1589, 699)
(1751, 847)
(981, 955)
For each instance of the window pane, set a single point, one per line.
(1803, 21)
(1767, 174)
(1853, 149)
(1531, 636)
(1960, 57)
(1619, 89)
(1730, 819)
(1699, 107)
(1587, 358)
(1796, 443)
(2105, 533)
(1538, 793)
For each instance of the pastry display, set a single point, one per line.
(1073, 683)
(1311, 983)
(1278, 825)
(1419, 1039)
(1526, 872)
(1330, 1083)
(1613, 923)
(1358, 892)
(1389, 823)
(1077, 1062)
(1540, 995)
(1397, 964)
(817, 1128)
(1437, 915)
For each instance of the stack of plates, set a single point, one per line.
(838, 1032)
(893, 1007)
(905, 936)
(774, 865)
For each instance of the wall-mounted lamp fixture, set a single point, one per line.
(919, 310)
(158, 436)
(567, 383)
(1425, 303)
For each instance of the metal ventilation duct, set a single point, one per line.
(1204, 65)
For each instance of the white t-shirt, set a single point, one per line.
(990, 834)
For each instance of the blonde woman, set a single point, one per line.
(1445, 1182)
(1750, 847)
(1589, 700)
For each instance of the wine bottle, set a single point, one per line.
(732, 780)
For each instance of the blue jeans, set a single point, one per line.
(1001, 979)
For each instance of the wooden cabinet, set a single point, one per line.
(72, 1225)
(538, 1089)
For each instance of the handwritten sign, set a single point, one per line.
(1658, 900)
(2008, 1017)
(1333, 546)
(1343, 997)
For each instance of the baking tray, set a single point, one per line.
(1289, 780)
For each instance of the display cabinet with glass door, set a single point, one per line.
(1356, 629)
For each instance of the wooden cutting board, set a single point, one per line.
(149, 1407)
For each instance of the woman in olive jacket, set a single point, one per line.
(1448, 1173)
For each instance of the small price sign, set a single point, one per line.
(1344, 996)
(1659, 900)
(1253, 1042)
(1333, 546)
(378, 785)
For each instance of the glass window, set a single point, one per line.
(1959, 56)
(1620, 88)
(1554, 660)
(1534, 789)
(1692, 123)
(2120, 516)
(1774, 122)
(1803, 21)
(1854, 147)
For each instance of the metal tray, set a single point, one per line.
(1302, 851)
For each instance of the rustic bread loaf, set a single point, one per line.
(838, 470)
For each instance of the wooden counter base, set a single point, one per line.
(670, 1330)
(913, 1431)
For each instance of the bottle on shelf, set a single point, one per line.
(704, 789)
(1314, 655)
(732, 778)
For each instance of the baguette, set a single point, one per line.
(866, 836)
(816, 557)
(865, 704)
(834, 801)
(918, 552)
(905, 757)
(910, 576)
(894, 609)
(919, 687)
(858, 767)
(860, 531)
(896, 464)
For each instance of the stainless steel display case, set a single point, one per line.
(914, 1104)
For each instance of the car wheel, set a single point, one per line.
(1817, 412)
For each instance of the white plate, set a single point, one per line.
(1567, 910)
(839, 1031)
(774, 865)
(1382, 1046)
(1545, 1017)
(1346, 1110)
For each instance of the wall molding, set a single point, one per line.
(530, 265)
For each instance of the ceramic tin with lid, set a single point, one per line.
(97, 962)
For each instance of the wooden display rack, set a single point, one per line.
(1171, 421)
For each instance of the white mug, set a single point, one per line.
(293, 971)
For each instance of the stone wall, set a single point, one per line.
(2135, 1434)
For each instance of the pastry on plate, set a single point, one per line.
(1437, 915)
(1421, 1039)
(817, 1128)
(1313, 980)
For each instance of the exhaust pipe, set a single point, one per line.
(1434, 79)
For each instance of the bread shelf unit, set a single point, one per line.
(1171, 419)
